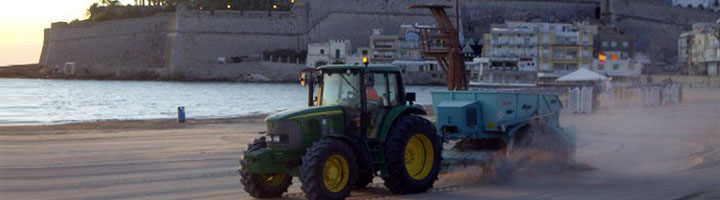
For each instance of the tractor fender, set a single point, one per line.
(395, 114)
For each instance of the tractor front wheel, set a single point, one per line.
(413, 154)
(328, 170)
(263, 185)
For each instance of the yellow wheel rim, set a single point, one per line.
(419, 155)
(336, 173)
(274, 180)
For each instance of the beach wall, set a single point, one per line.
(688, 81)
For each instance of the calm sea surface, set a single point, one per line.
(34, 102)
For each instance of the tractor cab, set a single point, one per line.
(344, 86)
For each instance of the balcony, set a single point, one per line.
(383, 46)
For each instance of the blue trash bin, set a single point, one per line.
(181, 114)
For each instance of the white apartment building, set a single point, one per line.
(700, 50)
(620, 68)
(334, 51)
(554, 49)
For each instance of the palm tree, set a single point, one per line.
(91, 11)
(111, 3)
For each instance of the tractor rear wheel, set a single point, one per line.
(328, 170)
(413, 155)
(263, 185)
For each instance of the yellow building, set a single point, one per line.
(553, 49)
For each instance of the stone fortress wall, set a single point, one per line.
(186, 44)
(657, 25)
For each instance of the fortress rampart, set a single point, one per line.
(187, 44)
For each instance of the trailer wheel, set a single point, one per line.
(413, 154)
(263, 185)
(328, 170)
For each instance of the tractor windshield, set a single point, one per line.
(341, 89)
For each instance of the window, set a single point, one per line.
(709, 53)
(339, 89)
(631, 67)
(322, 51)
(613, 44)
(604, 43)
(616, 66)
(380, 85)
(572, 66)
(601, 67)
(546, 67)
(586, 40)
(626, 44)
(337, 53)
(393, 93)
(364, 52)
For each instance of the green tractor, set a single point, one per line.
(360, 123)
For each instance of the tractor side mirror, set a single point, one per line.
(410, 97)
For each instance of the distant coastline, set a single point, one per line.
(37, 71)
(22, 71)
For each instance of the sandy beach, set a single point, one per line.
(668, 152)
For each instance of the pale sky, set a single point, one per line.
(22, 24)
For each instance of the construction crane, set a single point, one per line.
(443, 44)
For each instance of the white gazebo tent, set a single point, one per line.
(584, 99)
(582, 75)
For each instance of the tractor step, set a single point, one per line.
(468, 162)
(453, 157)
(378, 157)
